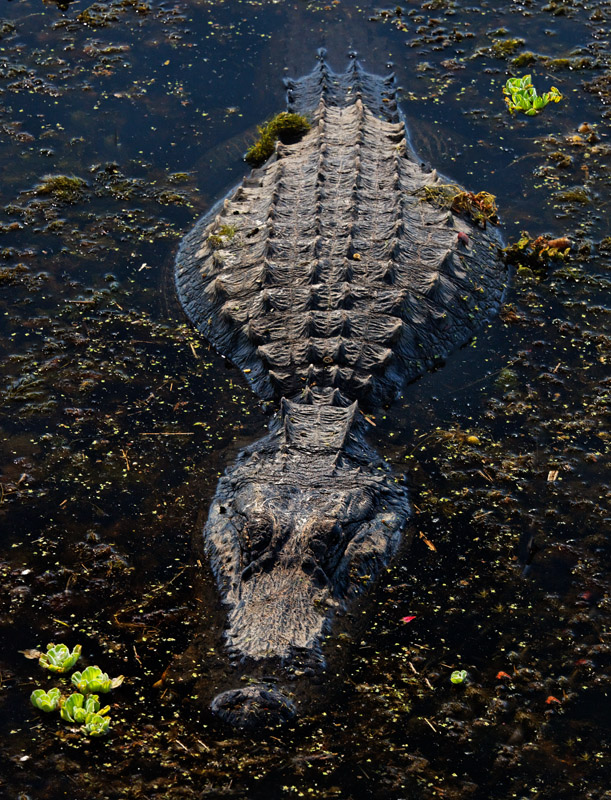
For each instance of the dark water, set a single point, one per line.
(116, 420)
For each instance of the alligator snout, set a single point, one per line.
(253, 706)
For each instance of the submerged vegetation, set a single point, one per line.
(64, 188)
(100, 15)
(287, 128)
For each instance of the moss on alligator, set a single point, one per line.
(224, 234)
(480, 207)
(286, 127)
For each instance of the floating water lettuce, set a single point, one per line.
(45, 701)
(521, 95)
(77, 708)
(93, 680)
(58, 658)
(81, 707)
(96, 725)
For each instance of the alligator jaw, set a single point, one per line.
(305, 519)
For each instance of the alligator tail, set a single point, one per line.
(341, 89)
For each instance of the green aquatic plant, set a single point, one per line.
(284, 126)
(521, 95)
(459, 676)
(58, 658)
(77, 707)
(81, 707)
(93, 680)
(96, 725)
(45, 701)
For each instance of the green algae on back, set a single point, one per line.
(284, 126)
(223, 235)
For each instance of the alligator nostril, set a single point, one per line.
(319, 576)
(308, 565)
(253, 706)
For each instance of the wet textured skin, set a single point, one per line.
(330, 281)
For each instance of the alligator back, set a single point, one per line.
(328, 266)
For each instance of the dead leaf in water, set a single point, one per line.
(31, 653)
(427, 542)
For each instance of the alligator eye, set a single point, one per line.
(257, 535)
(324, 542)
(331, 532)
(320, 579)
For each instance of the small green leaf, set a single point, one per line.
(72, 709)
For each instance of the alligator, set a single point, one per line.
(329, 278)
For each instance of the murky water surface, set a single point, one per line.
(120, 123)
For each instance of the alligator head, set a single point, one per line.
(302, 522)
